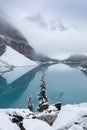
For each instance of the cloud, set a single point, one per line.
(53, 25)
(55, 29)
(38, 19)
(74, 27)
(56, 25)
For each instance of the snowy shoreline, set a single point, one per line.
(12, 59)
(81, 68)
(70, 117)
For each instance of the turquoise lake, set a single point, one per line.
(65, 84)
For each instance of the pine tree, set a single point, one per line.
(29, 104)
(42, 96)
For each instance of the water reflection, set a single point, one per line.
(9, 93)
(76, 66)
(62, 84)
(58, 97)
(84, 72)
(59, 67)
(72, 65)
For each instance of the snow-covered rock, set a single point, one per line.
(14, 58)
(20, 112)
(6, 124)
(72, 117)
(83, 66)
(35, 124)
(6, 116)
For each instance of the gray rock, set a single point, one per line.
(48, 118)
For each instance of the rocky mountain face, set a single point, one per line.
(12, 37)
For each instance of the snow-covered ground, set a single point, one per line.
(14, 58)
(35, 124)
(5, 119)
(6, 116)
(70, 117)
(6, 124)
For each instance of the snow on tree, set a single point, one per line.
(42, 96)
(29, 104)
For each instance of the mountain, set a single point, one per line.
(84, 66)
(12, 37)
(79, 58)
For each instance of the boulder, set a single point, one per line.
(48, 118)
(43, 107)
(58, 106)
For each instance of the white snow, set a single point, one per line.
(76, 127)
(51, 108)
(20, 112)
(6, 124)
(14, 58)
(81, 68)
(70, 117)
(70, 114)
(28, 124)
(35, 124)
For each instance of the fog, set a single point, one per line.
(52, 28)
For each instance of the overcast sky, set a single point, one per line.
(51, 26)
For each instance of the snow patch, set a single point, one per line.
(72, 117)
(6, 124)
(35, 124)
(81, 68)
(14, 58)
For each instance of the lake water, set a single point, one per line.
(65, 84)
